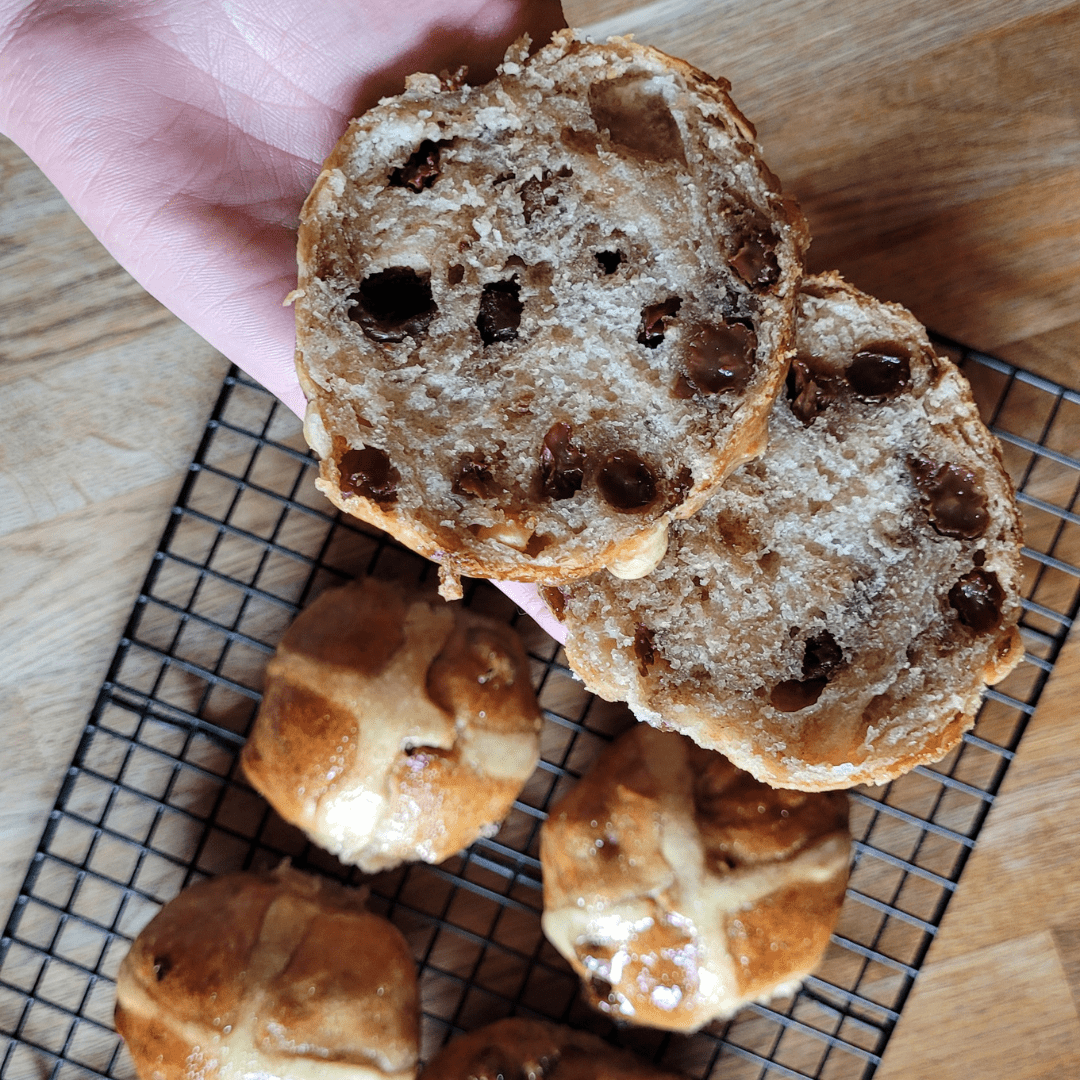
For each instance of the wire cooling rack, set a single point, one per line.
(154, 800)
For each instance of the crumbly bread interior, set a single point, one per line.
(832, 616)
(680, 888)
(536, 1050)
(278, 975)
(394, 727)
(537, 319)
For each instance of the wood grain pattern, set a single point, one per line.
(104, 395)
(1000, 1012)
(937, 160)
(936, 148)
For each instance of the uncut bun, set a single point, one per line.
(832, 616)
(394, 726)
(538, 319)
(536, 1050)
(271, 975)
(680, 888)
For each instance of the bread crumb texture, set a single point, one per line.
(538, 318)
(832, 616)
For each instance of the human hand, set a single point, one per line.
(186, 133)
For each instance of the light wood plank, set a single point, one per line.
(937, 162)
(1002, 1013)
(104, 396)
(67, 587)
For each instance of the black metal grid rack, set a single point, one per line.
(153, 799)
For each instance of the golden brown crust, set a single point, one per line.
(394, 726)
(279, 974)
(680, 888)
(632, 130)
(536, 1050)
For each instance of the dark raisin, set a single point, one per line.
(721, 357)
(491, 1064)
(977, 598)
(683, 388)
(626, 482)
(954, 501)
(822, 656)
(684, 481)
(562, 465)
(810, 391)
(555, 599)
(367, 471)
(455, 274)
(162, 967)
(755, 261)
(393, 304)
(500, 312)
(791, 695)
(609, 260)
(474, 480)
(644, 648)
(420, 171)
(653, 321)
(636, 117)
(602, 989)
(879, 370)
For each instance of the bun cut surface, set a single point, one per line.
(832, 616)
(539, 319)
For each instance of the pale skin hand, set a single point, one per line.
(186, 133)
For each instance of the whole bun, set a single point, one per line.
(521, 1049)
(833, 615)
(394, 726)
(680, 888)
(540, 318)
(277, 975)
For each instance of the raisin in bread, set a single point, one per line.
(832, 616)
(680, 888)
(520, 1049)
(538, 319)
(394, 726)
(276, 975)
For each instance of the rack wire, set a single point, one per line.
(153, 799)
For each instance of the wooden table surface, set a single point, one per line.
(935, 147)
